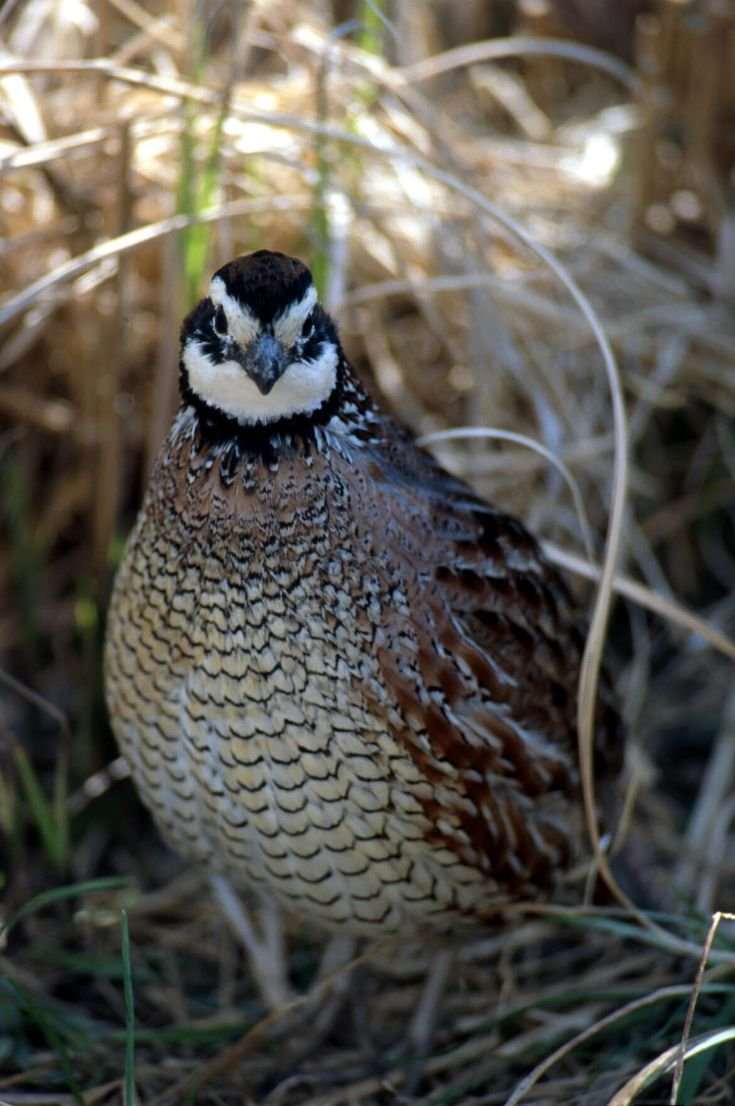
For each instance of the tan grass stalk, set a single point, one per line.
(646, 598)
(520, 46)
(659, 995)
(665, 1061)
(684, 1050)
(464, 432)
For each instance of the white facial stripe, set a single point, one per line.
(303, 387)
(287, 327)
(241, 323)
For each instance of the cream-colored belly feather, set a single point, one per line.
(241, 697)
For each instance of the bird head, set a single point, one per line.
(259, 348)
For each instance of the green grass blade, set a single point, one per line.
(196, 190)
(60, 808)
(129, 1096)
(25, 555)
(197, 238)
(38, 1016)
(696, 1067)
(59, 894)
(50, 818)
(370, 37)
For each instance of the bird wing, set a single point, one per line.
(481, 657)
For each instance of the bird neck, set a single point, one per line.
(347, 412)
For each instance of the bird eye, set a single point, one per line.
(307, 329)
(219, 322)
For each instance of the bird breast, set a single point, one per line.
(277, 681)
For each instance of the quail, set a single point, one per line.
(340, 678)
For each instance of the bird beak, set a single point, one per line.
(264, 360)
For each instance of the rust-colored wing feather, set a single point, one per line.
(483, 660)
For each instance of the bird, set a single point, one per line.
(342, 680)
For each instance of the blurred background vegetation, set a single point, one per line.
(142, 146)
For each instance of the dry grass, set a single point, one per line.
(482, 228)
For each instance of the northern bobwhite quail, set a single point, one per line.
(337, 674)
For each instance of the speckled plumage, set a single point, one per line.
(340, 676)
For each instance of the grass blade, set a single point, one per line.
(50, 818)
(129, 1095)
(59, 894)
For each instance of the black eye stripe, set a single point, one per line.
(219, 321)
(312, 347)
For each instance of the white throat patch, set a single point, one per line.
(303, 387)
